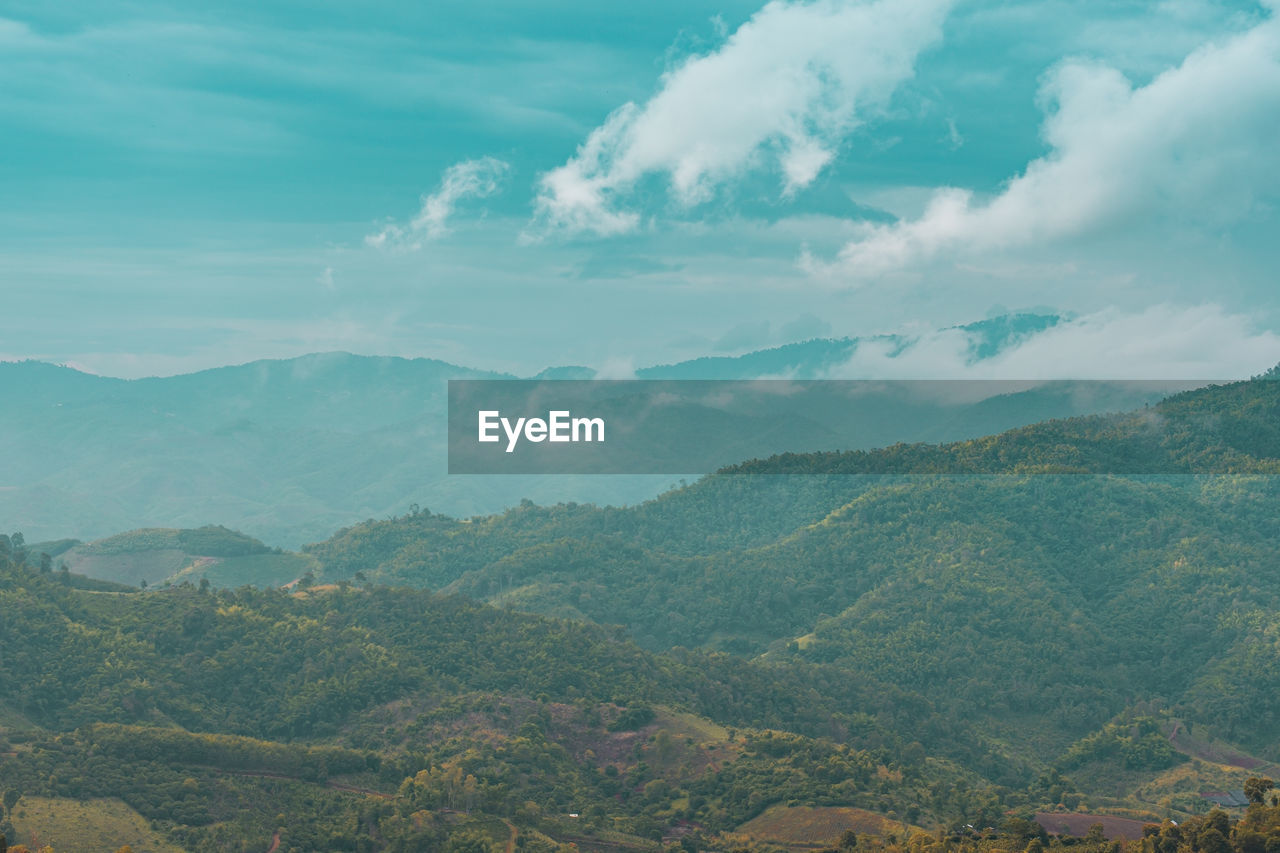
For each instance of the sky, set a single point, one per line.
(517, 185)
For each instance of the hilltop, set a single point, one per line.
(154, 556)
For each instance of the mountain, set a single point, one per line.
(391, 719)
(823, 358)
(923, 646)
(285, 450)
(288, 451)
(1037, 583)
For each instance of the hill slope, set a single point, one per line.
(940, 648)
(166, 555)
(226, 716)
(1024, 602)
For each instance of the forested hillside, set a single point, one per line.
(1034, 584)
(917, 648)
(222, 715)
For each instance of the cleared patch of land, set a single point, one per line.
(248, 570)
(814, 826)
(130, 567)
(1215, 752)
(1179, 787)
(88, 826)
(1078, 825)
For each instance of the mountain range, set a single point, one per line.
(290, 450)
(1016, 579)
(914, 642)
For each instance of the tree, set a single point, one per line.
(1255, 788)
(11, 798)
(470, 790)
(46, 563)
(1213, 841)
(664, 746)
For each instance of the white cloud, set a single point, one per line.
(15, 33)
(1195, 144)
(745, 336)
(617, 367)
(781, 92)
(469, 179)
(1161, 342)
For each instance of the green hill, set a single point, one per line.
(213, 713)
(161, 555)
(999, 629)
(1013, 580)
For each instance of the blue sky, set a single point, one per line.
(513, 185)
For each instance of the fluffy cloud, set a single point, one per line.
(782, 91)
(1196, 143)
(468, 179)
(1161, 342)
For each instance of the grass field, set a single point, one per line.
(91, 826)
(807, 826)
(1078, 824)
(253, 570)
(1175, 792)
(128, 568)
(689, 745)
(159, 555)
(1217, 752)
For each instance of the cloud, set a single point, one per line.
(478, 178)
(781, 92)
(1196, 144)
(761, 334)
(617, 367)
(1161, 342)
(745, 336)
(803, 328)
(15, 33)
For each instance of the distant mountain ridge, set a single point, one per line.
(290, 450)
(819, 357)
